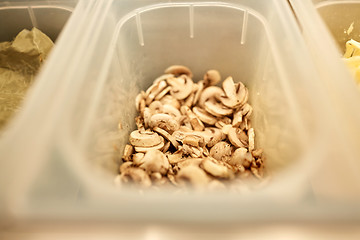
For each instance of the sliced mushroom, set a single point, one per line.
(189, 100)
(172, 111)
(217, 109)
(138, 158)
(181, 87)
(139, 121)
(238, 137)
(175, 157)
(189, 162)
(198, 92)
(241, 157)
(164, 121)
(128, 151)
(221, 151)
(212, 136)
(136, 175)
(194, 121)
(170, 100)
(156, 107)
(236, 95)
(140, 101)
(210, 93)
(146, 149)
(155, 161)
(140, 138)
(125, 166)
(154, 90)
(167, 136)
(214, 168)
(163, 77)
(194, 140)
(257, 153)
(166, 147)
(212, 77)
(163, 93)
(193, 175)
(251, 135)
(226, 128)
(178, 70)
(204, 116)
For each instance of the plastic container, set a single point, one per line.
(324, 25)
(121, 48)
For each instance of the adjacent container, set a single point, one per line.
(119, 50)
(326, 26)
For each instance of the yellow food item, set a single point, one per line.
(352, 58)
(20, 61)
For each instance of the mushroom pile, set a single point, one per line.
(192, 134)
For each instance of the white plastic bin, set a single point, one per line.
(324, 25)
(122, 48)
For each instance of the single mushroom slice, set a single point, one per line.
(192, 175)
(139, 138)
(156, 107)
(138, 159)
(163, 93)
(257, 153)
(137, 176)
(172, 111)
(178, 70)
(146, 149)
(167, 136)
(170, 100)
(241, 115)
(236, 95)
(194, 140)
(163, 77)
(217, 109)
(181, 87)
(251, 135)
(200, 88)
(204, 116)
(210, 93)
(140, 101)
(125, 166)
(212, 136)
(238, 137)
(212, 77)
(128, 151)
(175, 157)
(155, 161)
(164, 121)
(166, 147)
(241, 157)
(221, 151)
(214, 168)
(189, 100)
(194, 120)
(154, 90)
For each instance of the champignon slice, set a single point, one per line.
(172, 111)
(193, 175)
(217, 109)
(136, 175)
(214, 168)
(140, 138)
(155, 161)
(170, 100)
(210, 93)
(125, 166)
(163, 77)
(156, 107)
(238, 137)
(251, 135)
(181, 87)
(236, 95)
(204, 116)
(194, 121)
(167, 136)
(140, 100)
(241, 157)
(164, 121)
(221, 151)
(138, 158)
(175, 157)
(178, 70)
(146, 149)
(128, 151)
(212, 77)
(194, 140)
(154, 90)
(198, 92)
(212, 136)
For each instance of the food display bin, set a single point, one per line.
(326, 26)
(118, 49)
